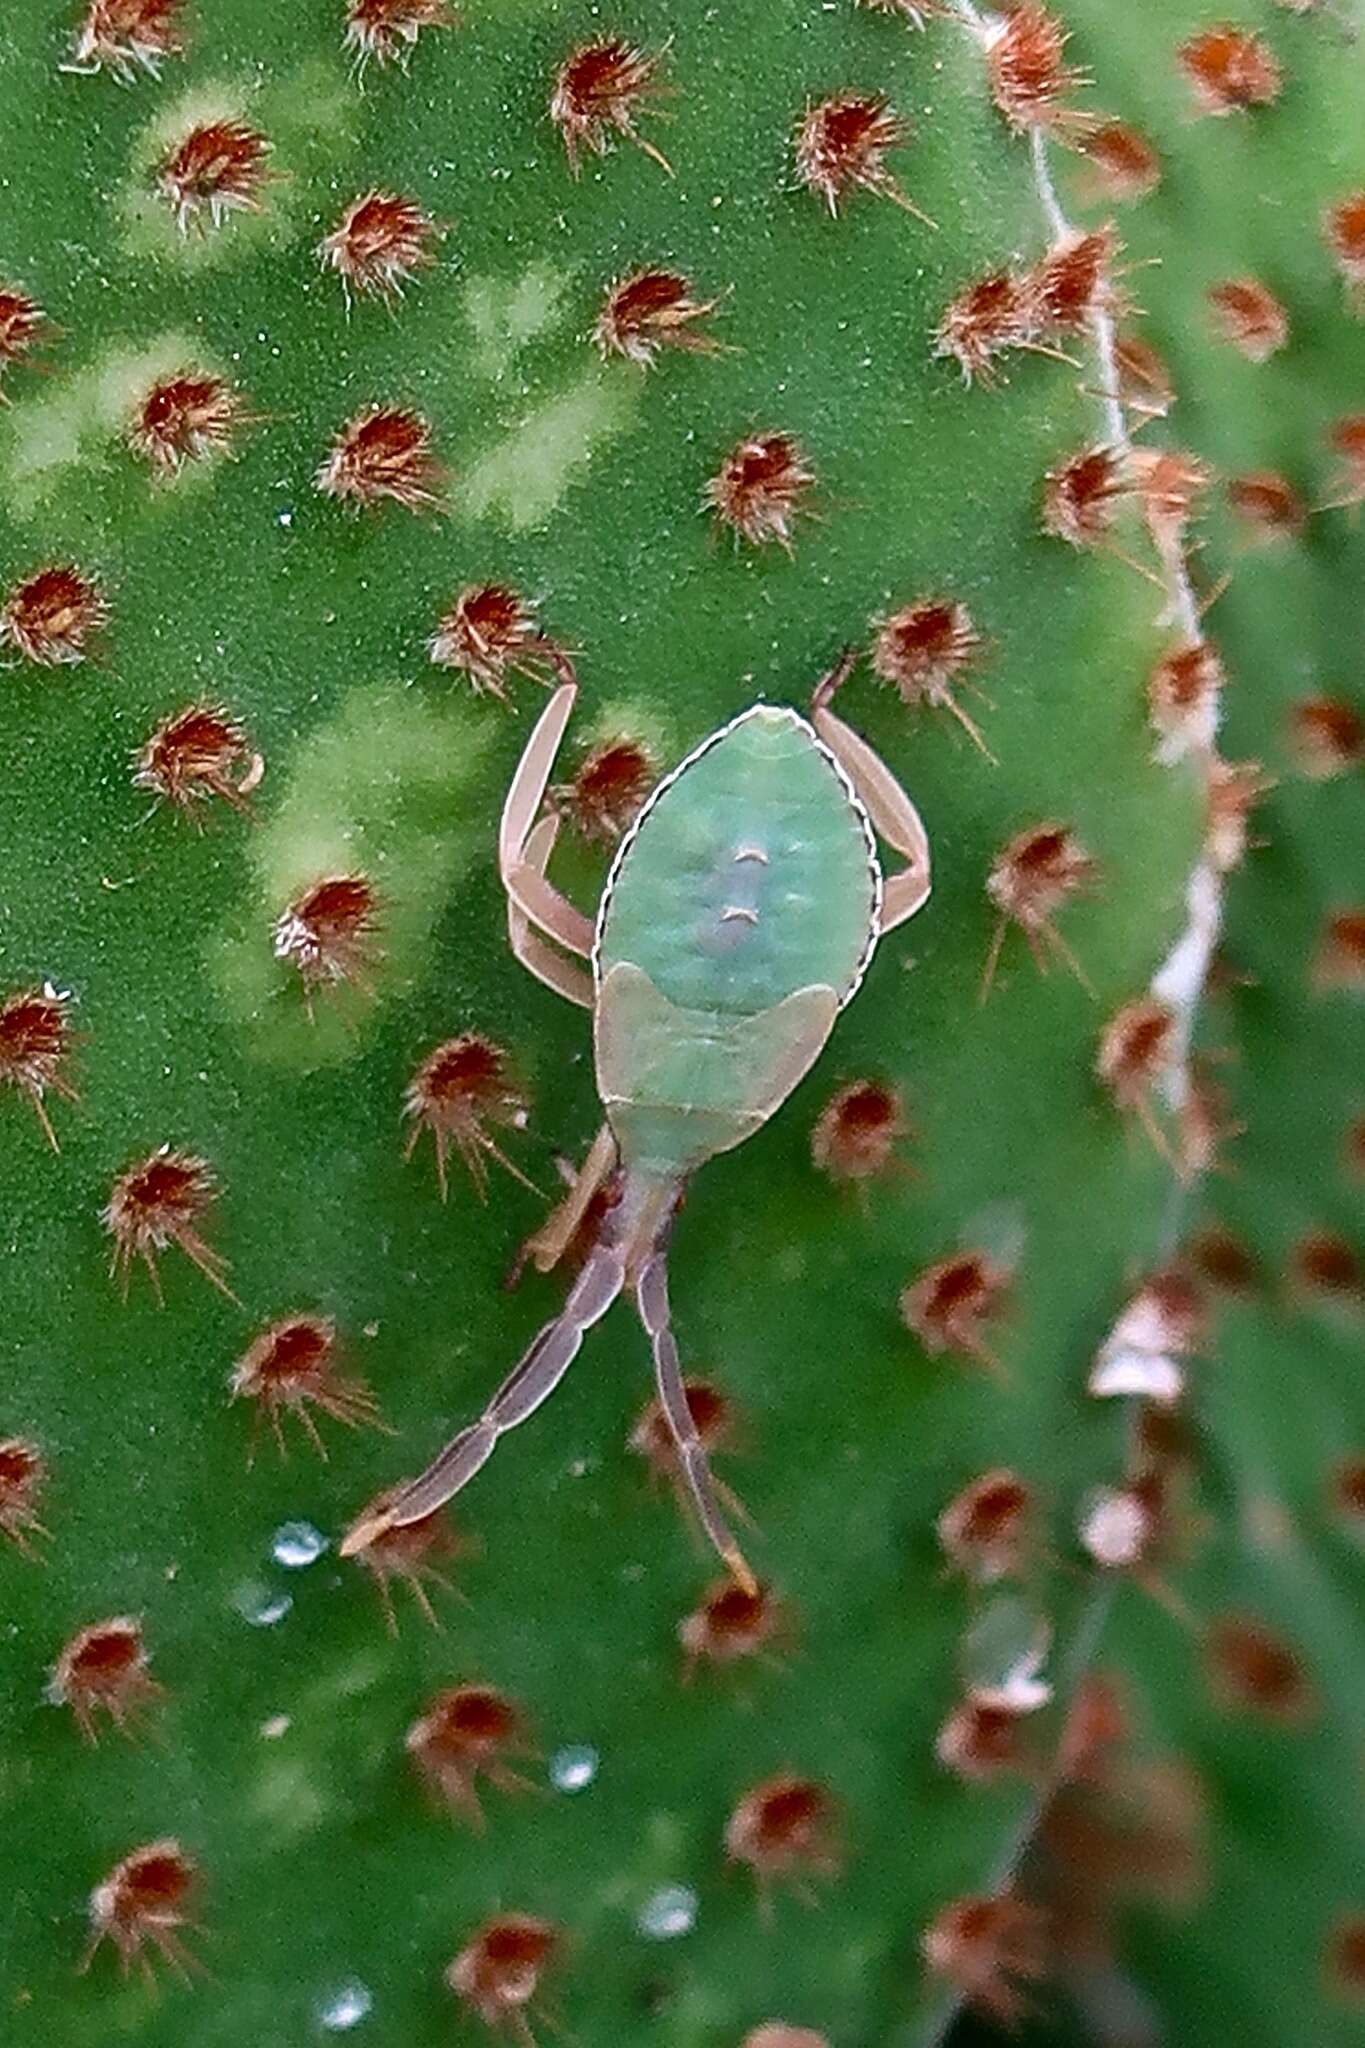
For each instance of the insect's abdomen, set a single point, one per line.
(738, 917)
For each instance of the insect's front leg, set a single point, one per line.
(892, 813)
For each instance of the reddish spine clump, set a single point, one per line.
(1254, 1671)
(379, 245)
(731, 1623)
(986, 1530)
(1183, 693)
(23, 1473)
(1029, 75)
(186, 418)
(383, 453)
(1346, 437)
(980, 1741)
(986, 318)
(141, 1904)
(23, 326)
(1136, 1050)
(784, 1828)
(761, 488)
(649, 311)
(1234, 790)
(1030, 879)
(1170, 485)
(467, 1732)
(990, 1949)
(1345, 1959)
(1339, 962)
(600, 91)
(1081, 497)
(1124, 164)
(218, 169)
(1222, 1260)
(292, 1367)
(52, 617)
(952, 1306)
(924, 650)
(488, 633)
(1327, 737)
(712, 1416)
(1145, 385)
(1075, 281)
(1230, 70)
(387, 30)
(161, 1201)
(497, 1974)
(1248, 315)
(857, 1132)
(413, 1552)
(611, 784)
(1268, 504)
(103, 1669)
(841, 147)
(35, 1044)
(1324, 1268)
(1343, 225)
(199, 753)
(125, 36)
(328, 933)
(462, 1085)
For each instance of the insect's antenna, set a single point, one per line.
(651, 1298)
(544, 1365)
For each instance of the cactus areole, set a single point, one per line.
(738, 918)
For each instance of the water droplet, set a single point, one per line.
(574, 1766)
(667, 1913)
(297, 1544)
(346, 2007)
(261, 1605)
(1003, 1654)
(285, 518)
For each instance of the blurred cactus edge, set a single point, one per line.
(582, 581)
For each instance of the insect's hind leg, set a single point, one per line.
(651, 1298)
(551, 1353)
(893, 815)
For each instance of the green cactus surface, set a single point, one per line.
(248, 464)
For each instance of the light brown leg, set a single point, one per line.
(891, 811)
(563, 976)
(528, 888)
(549, 1244)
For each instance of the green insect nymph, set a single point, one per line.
(739, 916)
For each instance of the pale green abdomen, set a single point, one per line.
(739, 916)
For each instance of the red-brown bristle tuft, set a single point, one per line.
(387, 30)
(1268, 504)
(1136, 1050)
(23, 1474)
(465, 1733)
(785, 1828)
(1183, 692)
(199, 753)
(412, 1552)
(125, 36)
(1170, 485)
(611, 784)
(52, 617)
(1075, 281)
(730, 1624)
(1234, 790)
(990, 1950)
(1247, 314)
(1339, 962)
(986, 1530)
(103, 1669)
(329, 933)
(857, 1132)
(380, 243)
(488, 633)
(1081, 497)
(981, 1741)
(1254, 1671)
(1125, 167)
(462, 1085)
(652, 310)
(600, 91)
(1343, 225)
(383, 453)
(1029, 75)
(23, 326)
(218, 169)
(841, 147)
(1031, 878)
(953, 1306)
(497, 1974)
(1222, 1260)
(1145, 385)
(761, 488)
(292, 1367)
(712, 1416)
(1327, 737)
(1230, 70)
(158, 1202)
(1345, 1960)
(924, 649)
(142, 1904)
(1324, 1267)
(986, 318)
(35, 1044)
(186, 418)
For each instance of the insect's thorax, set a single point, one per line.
(739, 915)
